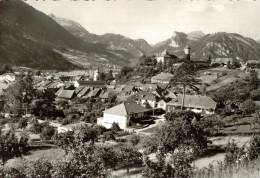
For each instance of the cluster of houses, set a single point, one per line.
(141, 102)
(136, 99)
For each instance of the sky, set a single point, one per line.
(156, 20)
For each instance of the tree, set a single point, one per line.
(11, 146)
(47, 132)
(248, 107)
(176, 166)
(22, 123)
(109, 76)
(65, 140)
(185, 77)
(254, 148)
(39, 168)
(134, 139)
(5, 68)
(125, 72)
(129, 156)
(19, 93)
(87, 134)
(35, 126)
(253, 80)
(233, 152)
(115, 127)
(64, 169)
(87, 161)
(182, 129)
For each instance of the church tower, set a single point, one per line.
(187, 53)
(96, 75)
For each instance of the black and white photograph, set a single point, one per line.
(129, 89)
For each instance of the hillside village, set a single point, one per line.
(84, 105)
(131, 102)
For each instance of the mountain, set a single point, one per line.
(195, 35)
(226, 45)
(111, 41)
(217, 45)
(32, 39)
(258, 41)
(176, 43)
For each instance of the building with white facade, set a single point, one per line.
(121, 114)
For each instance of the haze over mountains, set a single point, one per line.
(31, 38)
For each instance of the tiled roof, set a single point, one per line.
(126, 108)
(84, 91)
(91, 83)
(194, 101)
(66, 94)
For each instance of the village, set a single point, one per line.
(113, 110)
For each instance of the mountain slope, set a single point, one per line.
(195, 35)
(226, 45)
(218, 45)
(111, 41)
(33, 39)
(177, 42)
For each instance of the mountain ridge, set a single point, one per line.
(216, 45)
(37, 38)
(111, 41)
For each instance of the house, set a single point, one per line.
(195, 103)
(93, 93)
(252, 65)
(83, 92)
(122, 115)
(148, 98)
(105, 95)
(8, 77)
(170, 94)
(162, 104)
(222, 61)
(162, 78)
(66, 94)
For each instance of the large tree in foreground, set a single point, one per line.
(184, 76)
(19, 93)
(12, 146)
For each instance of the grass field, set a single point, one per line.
(220, 76)
(51, 154)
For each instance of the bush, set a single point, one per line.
(115, 127)
(254, 148)
(134, 139)
(248, 107)
(47, 132)
(109, 135)
(22, 123)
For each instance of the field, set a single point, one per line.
(220, 76)
(48, 154)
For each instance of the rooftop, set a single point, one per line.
(126, 108)
(194, 101)
(66, 94)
